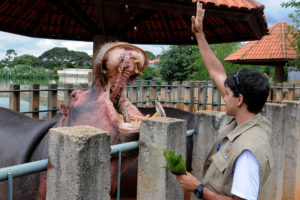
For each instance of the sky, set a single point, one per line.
(36, 46)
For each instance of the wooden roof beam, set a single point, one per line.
(77, 13)
(136, 20)
(33, 4)
(42, 17)
(180, 8)
(133, 13)
(100, 16)
(254, 27)
(164, 21)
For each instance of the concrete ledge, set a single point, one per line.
(79, 164)
(154, 181)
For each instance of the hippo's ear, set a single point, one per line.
(64, 109)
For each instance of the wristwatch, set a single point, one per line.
(199, 191)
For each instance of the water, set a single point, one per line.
(8, 81)
(24, 106)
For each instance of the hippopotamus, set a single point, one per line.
(103, 106)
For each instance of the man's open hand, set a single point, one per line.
(197, 22)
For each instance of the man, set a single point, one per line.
(241, 159)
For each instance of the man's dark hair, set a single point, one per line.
(253, 85)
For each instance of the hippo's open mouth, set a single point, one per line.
(115, 65)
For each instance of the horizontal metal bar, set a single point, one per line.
(124, 147)
(38, 111)
(24, 169)
(190, 132)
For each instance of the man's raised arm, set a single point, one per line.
(214, 67)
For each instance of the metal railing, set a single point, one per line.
(8, 173)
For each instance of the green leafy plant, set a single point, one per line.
(175, 163)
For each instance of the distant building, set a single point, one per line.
(294, 75)
(153, 63)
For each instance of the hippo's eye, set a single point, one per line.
(74, 94)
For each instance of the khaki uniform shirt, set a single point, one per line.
(253, 135)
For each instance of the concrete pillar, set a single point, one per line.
(154, 181)
(291, 181)
(208, 124)
(79, 164)
(272, 189)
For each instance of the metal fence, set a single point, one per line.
(11, 172)
(188, 95)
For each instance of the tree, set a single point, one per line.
(175, 63)
(26, 59)
(63, 58)
(151, 56)
(10, 53)
(295, 32)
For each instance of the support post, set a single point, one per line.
(67, 93)
(276, 113)
(154, 181)
(14, 98)
(206, 131)
(35, 101)
(164, 93)
(52, 100)
(79, 163)
(291, 179)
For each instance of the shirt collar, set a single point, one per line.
(244, 126)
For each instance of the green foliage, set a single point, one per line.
(10, 53)
(175, 63)
(25, 71)
(62, 57)
(151, 56)
(175, 163)
(294, 31)
(26, 60)
(150, 73)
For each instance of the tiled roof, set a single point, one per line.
(246, 4)
(270, 49)
(133, 21)
(154, 61)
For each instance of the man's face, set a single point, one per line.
(231, 102)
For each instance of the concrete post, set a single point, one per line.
(272, 189)
(79, 164)
(208, 124)
(154, 181)
(291, 179)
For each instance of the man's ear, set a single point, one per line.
(241, 100)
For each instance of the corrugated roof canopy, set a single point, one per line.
(134, 21)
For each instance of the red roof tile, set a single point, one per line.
(147, 22)
(246, 4)
(270, 49)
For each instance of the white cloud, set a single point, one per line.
(46, 43)
(274, 12)
(155, 49)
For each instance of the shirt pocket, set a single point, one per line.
(218, 177)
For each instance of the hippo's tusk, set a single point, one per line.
(136, 71)
(159, 109)
(119, 69)
(155, 114)
(135, 61)
(147, 116)
(125, 113)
